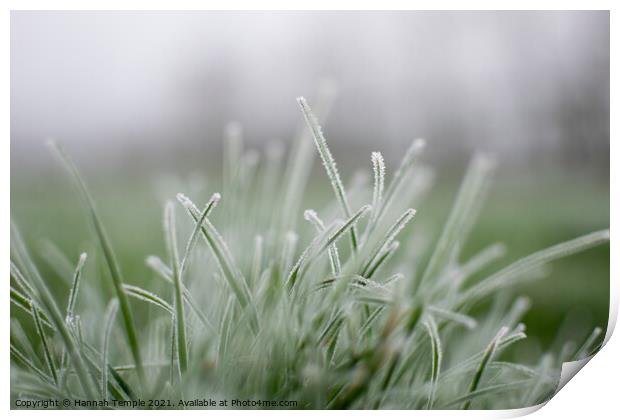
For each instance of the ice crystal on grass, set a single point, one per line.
(265, 309)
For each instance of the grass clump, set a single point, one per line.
(269, 308)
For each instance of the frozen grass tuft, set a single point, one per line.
(264, 309)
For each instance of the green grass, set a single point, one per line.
(346, 310)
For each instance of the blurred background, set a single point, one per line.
(136, 97)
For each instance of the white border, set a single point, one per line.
(593, 394)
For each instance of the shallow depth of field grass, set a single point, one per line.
(349, 309)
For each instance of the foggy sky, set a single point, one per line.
(516, 83)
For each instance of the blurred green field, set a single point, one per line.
(525, 213)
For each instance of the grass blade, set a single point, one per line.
(455, 317)
(436, 351)
(257, 261)
(110, 258)
(334, 257)
(293, 275)
(308, 255)
(75, 286)
(157, 265)
(399, 177)
(21, 281)
(486, 358)
(474, 265)
(21, 358)
(25, 303)
(301, 159)
(174, 353)
(542, 379)
(493, 389)
(224, 258)
(56, 259)
(382, 259)
(146, 296)
(224, 329)
(288, 252)
(348, 225)
(378, 169)
(503, 277)
(171, 242)
(108, 323)
(470, 362)
(329, 163)
(460, 219)
(215, 198)
(49, 359)
(383, 244)
(586, 348)
(45, 299)
(516, 367)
